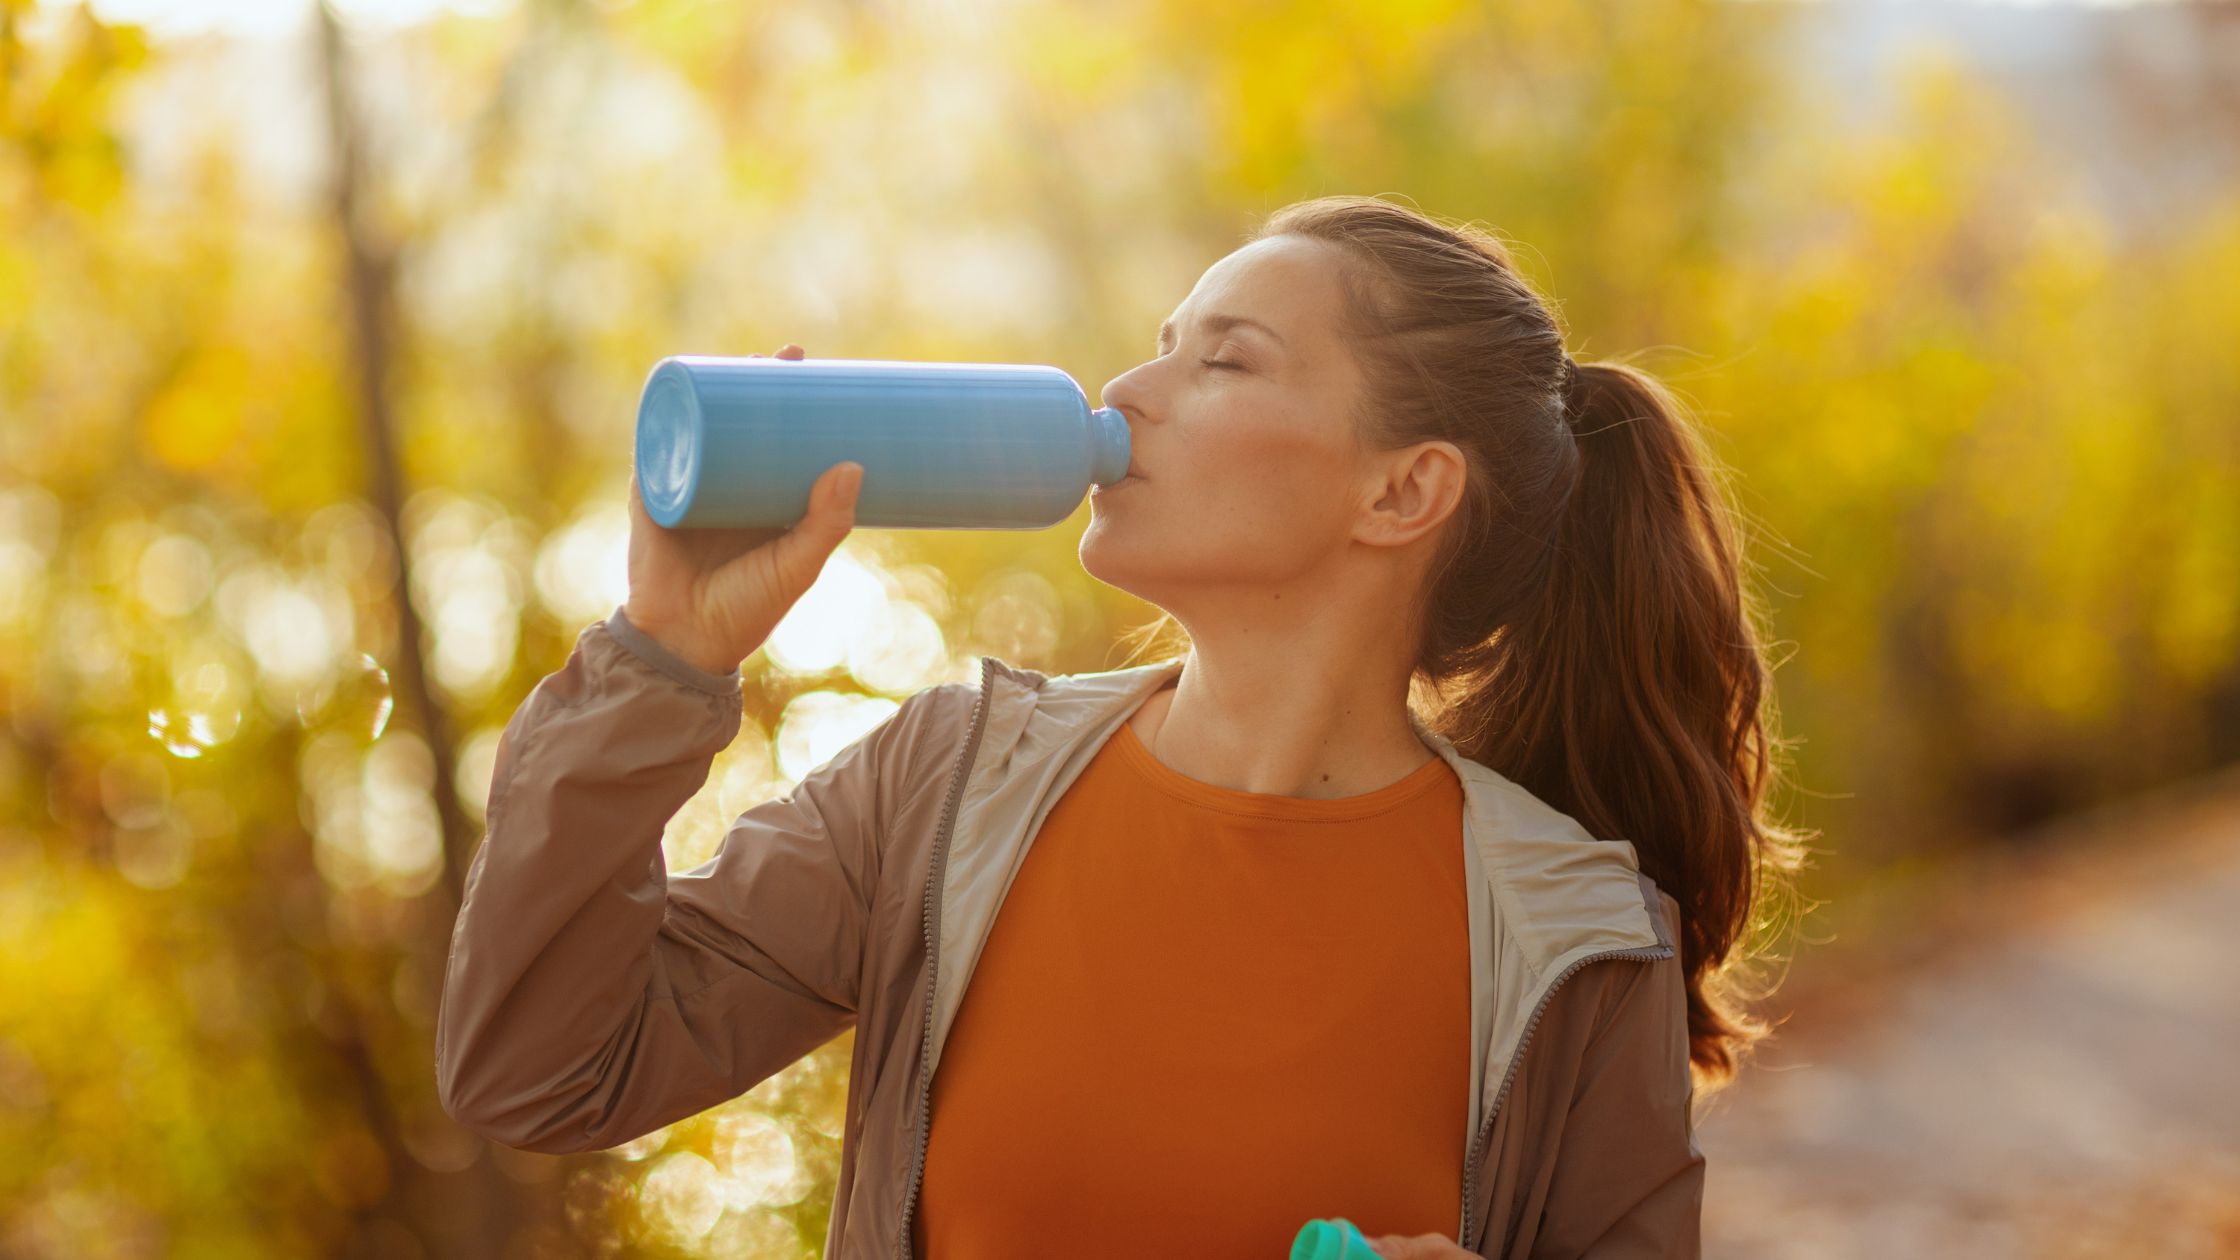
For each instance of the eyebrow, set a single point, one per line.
(1221, 323)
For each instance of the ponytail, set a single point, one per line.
(1632, 694)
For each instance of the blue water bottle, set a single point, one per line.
(1333, 1239)
(739, 441)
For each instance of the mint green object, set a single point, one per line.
(1333, 1239)
(739, 441)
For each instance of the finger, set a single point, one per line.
(842, 484)
(796, 351)
(800, 553)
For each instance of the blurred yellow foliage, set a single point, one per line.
(1987, 437)
(197, 418)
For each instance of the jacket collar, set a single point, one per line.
(1543, 894)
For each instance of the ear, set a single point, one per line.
(1416, 489)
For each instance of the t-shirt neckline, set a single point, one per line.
(1269, 805)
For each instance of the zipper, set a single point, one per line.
(937, 864)
(1485, 1131)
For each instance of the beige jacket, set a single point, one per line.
(591, 997)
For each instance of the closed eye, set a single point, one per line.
(1215, 363)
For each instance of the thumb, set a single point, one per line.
(799, 554)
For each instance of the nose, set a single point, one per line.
(1136, 390)
(1120, 394)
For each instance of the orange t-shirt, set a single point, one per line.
(1204, 1017)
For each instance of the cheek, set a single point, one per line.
(1264, 470)
(1265, 489)
(1233, 504)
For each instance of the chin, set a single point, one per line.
(1103, 556)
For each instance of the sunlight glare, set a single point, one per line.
(278, 18)
(818, 725)
(756, 1155)
(582, 569)
(682, 1195)
(844, 608)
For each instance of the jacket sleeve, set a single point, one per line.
(1628, 1178)
(589, 997)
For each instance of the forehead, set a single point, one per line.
(1287, 282)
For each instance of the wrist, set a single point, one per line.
(714, 663)
(681, 644)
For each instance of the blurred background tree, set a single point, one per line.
(319, 351)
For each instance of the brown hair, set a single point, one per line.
(1586, 628)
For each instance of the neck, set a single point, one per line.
(1268, 723)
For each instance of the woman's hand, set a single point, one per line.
(713, 596)
(1419, 1247)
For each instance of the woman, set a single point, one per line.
(1272, 944)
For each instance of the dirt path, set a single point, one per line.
(2055, 1076)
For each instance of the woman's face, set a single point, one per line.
(1252, 479)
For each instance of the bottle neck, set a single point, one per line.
(1108, 436)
